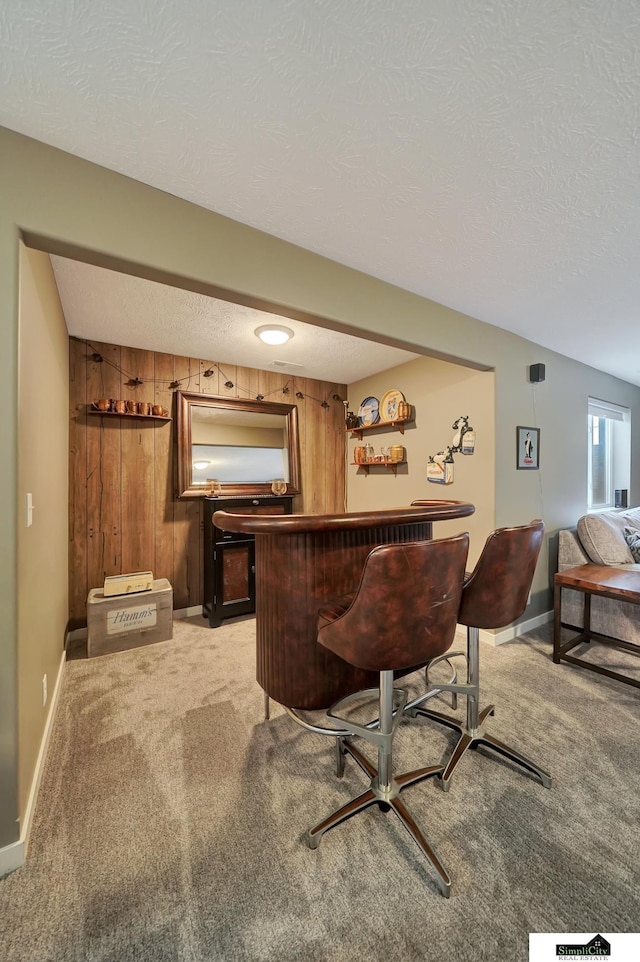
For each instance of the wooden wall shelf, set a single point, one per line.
(397, 425)
(131, 416)
(378, 464)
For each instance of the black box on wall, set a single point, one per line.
(536, 372)
(621, 498)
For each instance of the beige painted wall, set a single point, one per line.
(42, 471)
(66, 205)
(439, 392)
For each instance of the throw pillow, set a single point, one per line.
(632, 537)
(603, 540)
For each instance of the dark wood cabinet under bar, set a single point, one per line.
(229, 558)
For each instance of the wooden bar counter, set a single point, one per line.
(302, 561)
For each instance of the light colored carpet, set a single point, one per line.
(171, 818)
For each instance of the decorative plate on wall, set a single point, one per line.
(369, 411)
(389, 405)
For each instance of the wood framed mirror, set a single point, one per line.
(245, 445)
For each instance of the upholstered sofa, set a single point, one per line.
(601, 539)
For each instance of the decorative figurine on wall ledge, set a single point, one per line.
(352, 420)
(464, 440)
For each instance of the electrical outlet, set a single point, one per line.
(44, 690)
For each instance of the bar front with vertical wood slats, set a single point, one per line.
(124, 513)
(302, 562)
(295, 575)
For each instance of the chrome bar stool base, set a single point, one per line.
(384, 788)
(472, 734)
(473, 740)
(388, 800)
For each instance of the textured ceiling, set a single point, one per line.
(102, 305)
(483, 154)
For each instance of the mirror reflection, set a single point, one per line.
(244, 445)
(237, 447)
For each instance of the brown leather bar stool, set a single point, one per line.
(404, 613)
(494, 595)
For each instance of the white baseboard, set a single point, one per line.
(11, 857)
(514, 631)
(14, 855)
(189, 612)
(25, 828)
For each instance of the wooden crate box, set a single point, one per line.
(129, 621)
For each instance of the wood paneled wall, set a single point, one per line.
(124, 513)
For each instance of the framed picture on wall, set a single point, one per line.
(527, 448)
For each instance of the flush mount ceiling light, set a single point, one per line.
(273, 333)
(201, 465)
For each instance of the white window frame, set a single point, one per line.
(616, 414)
